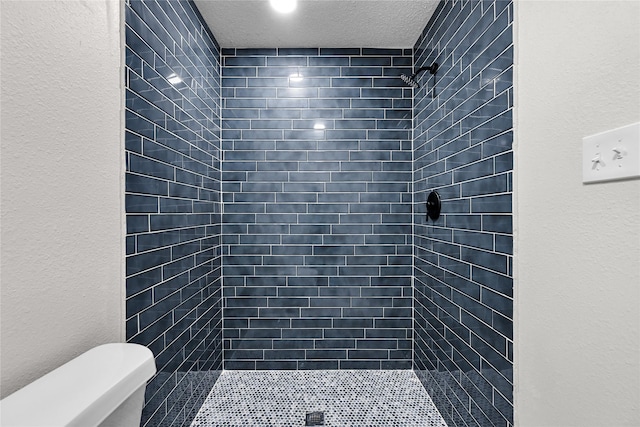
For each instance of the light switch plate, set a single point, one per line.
(611, 155)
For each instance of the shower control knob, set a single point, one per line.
(434, 205)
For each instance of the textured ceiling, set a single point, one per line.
(318, 23)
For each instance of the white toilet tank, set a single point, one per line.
(102, 387)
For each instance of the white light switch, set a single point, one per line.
(611, 155)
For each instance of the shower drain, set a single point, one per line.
(315, 418)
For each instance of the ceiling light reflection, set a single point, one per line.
(296, 77)
(284, 6)
(174, 79)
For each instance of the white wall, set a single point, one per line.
(577, 338)
(61, 176)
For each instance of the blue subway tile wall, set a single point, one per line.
(463, 318)
(173, 203)
(317, 191)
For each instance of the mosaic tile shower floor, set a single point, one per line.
(362, 398)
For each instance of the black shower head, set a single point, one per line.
(411, 80)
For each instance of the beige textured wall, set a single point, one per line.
(61, 175)
(577, 337)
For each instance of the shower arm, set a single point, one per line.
(432, 69)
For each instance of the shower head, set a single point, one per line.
(411, 80)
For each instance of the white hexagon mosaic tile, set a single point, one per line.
(349, 398)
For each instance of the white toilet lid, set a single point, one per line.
(82, 392)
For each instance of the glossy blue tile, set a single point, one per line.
(348, 134)
(339, 92)
(141, 204)
(244, 103)
(185, 191)
(492, 204)
(149, 167)
(255, 92)
(138, 124)
(495, 126)
(149, 241)
(389, 82)
(364, 113)
(498, 223)
(298, 92)
(262, 134)
(474, 170)
(371, 60)
(298, 51)
(504, 244)
(490, 185)
(311, 177)
(178, 130)
(278, 61)
(175, 206)
(145, 185)
(240, 72)
(490, 123)
(340, 51)
(382, 93)
(328, 61)
(244, 61)
(399, 61)
(249, 52)
(362, 71)
(354, 82)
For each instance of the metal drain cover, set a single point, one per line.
(315, 418)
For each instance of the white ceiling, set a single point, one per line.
(318, 23)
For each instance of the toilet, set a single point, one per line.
(102, 387)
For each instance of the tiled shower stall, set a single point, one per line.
(317, 222)
(275, 203)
